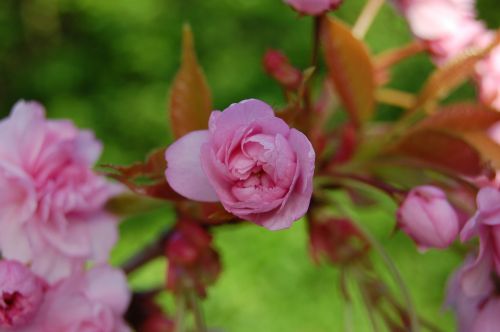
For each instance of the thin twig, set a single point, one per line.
(365, 19)
(180, 305)
(199, 319)
(393, 56)
(154, 250)
(414, 321)
(396, 98)
(316, 41)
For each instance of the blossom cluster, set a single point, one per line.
(450, 28)
(270, 166)
(53, 225)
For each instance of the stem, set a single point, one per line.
(348, 316)
(369, 311)
(393, 56)
(414, 322)
(365, 19)
(197, 312)
(154, 250)
(180, 305)
(316, 41)
(395, 97)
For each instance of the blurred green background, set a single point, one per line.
(108, 65)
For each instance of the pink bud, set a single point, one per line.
(181, 251)
(278, 67)
(313, 7)
(21, 293)
(428, 218)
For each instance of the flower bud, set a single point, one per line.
(21, 294)
(192, 259)
(428, 218)
(337, 240)
(278, 67)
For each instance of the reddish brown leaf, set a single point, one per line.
(153, 168)
(190, 99)
(441, 150)
(147, 178)
(450, 76)
(350, 68)
(489, 149)
(461, 118)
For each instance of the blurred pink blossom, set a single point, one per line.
(21, 294)
(52, 216)
(488, 74)
(486, 224)
(250, 160)
(448, 27)
(467, 307)
(313, 7)
(428, 218)
(91, 301)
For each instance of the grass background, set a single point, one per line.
(107, 65)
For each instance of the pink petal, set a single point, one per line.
(108, 286)
(488, 319)
(297, 204)
(476, 277)
(184, 172)
(103, 233)
(222, 125)
(488, 199)
(14, 243)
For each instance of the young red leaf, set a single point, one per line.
(442, 150)
(461, 118)
(450, 76)
(190, 101)
(146, 178)
(351, 69)
(489, 149)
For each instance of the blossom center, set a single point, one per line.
(11, 306)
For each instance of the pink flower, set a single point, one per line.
(313, 7)
(250, 160)
(428, 218)
(21, 294)
(91, 301)
(488, 319)
(448, 27)
(486, 224)
(467, 307)
(52, 216)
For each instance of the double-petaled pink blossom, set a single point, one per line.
(51, 202)
(477, 311)
(250, 160)
(21, 295)
(448, 27)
